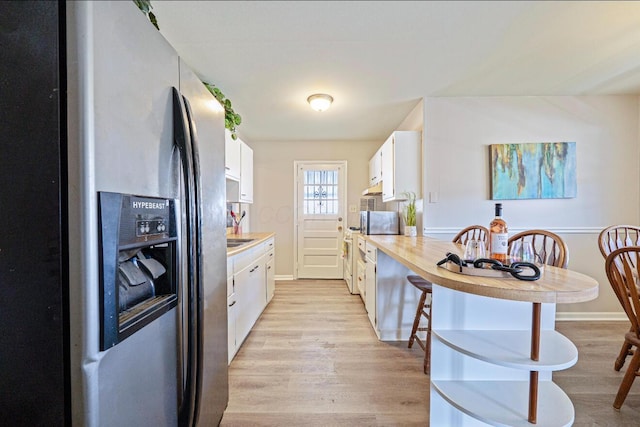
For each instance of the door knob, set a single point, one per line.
(339, 228)
(339, 219)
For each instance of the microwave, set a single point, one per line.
(379, 222)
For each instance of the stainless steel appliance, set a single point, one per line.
(350, 259)
(96, 105)
(379, 222)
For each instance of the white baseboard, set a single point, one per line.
(587, 316)
(284, 277)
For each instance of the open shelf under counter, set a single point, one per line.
(503, 403)
(512, 349)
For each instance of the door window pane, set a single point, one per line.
(320, 192)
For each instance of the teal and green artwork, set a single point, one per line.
(540, 170)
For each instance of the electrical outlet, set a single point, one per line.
(353, 208)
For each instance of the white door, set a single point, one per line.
(320, 213)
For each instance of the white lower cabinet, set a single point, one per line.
(390, 299)
(249, 290)
(251, 294)
(370, 283)
(270, 266)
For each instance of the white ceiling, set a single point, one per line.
(378, 58)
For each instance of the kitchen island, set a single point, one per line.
(494, 344)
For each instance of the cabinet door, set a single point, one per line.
(231, 326)
(246, 173)
(360, 279)
(375, 167)
(370, 291)
(270, 268)
(231, 157)
(251, 298)
(388, 176)
(271, 280)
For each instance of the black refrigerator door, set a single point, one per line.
(34, 365)
(188, 409)
(198, 285)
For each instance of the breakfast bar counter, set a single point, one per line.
(494, 344)
(421, 254)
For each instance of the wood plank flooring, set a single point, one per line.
(313, 359)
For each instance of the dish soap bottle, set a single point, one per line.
(498, 237)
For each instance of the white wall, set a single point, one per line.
(273, 186)
(458, 131)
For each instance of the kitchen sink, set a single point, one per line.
(234, 243)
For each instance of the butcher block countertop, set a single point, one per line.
(421, 254)
(256, 239)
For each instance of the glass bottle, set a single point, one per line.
(498, 237)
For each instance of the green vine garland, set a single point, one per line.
(231, 118)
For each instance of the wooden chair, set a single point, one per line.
(622, 269)
(473, 232)
(618, 236)
(547, 246)
(476, 232)
(612, 238)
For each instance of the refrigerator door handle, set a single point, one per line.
(182, 141)
(198, 286)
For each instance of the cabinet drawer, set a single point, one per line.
(371, 252)
(244, 259)
(269, 249)
(362, 245)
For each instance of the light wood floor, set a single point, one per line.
(312, 359)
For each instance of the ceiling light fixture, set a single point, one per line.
(320, 101)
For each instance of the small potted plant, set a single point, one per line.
(409, 214)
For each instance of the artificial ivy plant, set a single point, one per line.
(145, 7)
(231, 118)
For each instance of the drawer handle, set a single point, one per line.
(232, 304)
(227, 168)
(254, 269)
(269, 268)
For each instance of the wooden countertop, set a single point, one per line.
(421, 254)
(257, 239)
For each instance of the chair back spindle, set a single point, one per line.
(473, 232)
(547, 246)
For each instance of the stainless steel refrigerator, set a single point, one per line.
(112, 249)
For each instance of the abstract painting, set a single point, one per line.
(541, 170)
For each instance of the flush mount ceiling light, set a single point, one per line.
(320, 101)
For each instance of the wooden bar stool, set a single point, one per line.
(424, 310)
(477, 232)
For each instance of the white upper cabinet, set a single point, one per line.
(246, 173)
(401, 165)
(375, 168)
(239, 170)
(232, 156)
